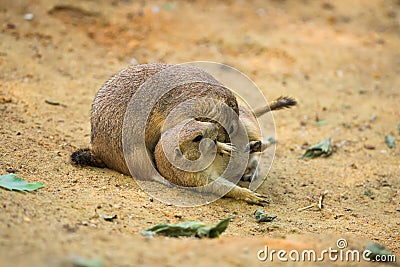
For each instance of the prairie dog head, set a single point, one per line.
(190, 146)
(195, 138)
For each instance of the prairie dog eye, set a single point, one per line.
(198, 138)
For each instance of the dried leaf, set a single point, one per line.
(389, 141)
(323, 149)
(262, 216)
(82, 262)
(375, 250)
(272, 140)
(369, 194)
(12, 182)
(197, 229)
(108, 218)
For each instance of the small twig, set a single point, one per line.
(54, 103)
(51, 102)
(321, 199)
(308, 207)
(320, 203)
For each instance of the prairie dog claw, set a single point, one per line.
(225, 148)
(258, 199)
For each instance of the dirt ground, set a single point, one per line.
(340, 59)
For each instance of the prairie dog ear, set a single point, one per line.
(177, 153)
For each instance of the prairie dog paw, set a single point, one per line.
(225, 148)
(257, 199)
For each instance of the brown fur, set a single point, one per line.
(110, 104)
(189, 148)
(108, 112)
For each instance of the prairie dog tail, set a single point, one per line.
(279, 103)
(85, 157)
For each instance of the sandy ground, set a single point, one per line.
(340, 59)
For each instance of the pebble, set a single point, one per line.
(133, 61)
(260, 12)
(28, 16)
(155, 9)
(11, 170)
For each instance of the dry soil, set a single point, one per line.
(340, 59)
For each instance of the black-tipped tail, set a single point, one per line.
(84, 157)
(283, 102)
(279, 103)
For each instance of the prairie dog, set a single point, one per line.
(108, 111)
(190, 137)
(110, 103)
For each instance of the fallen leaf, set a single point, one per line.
(12, 182)
(262, 216)
(375, 250)
(197, 229)
(323, 149)
(214, 231)
(51, 102)
(108, 218)
(389, 141)
(369, 194)
(272, 140)
(82, 262)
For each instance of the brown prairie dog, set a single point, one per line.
(108, 112)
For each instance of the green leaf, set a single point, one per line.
(389, 141)
(272, 140)
(322, 149)
(321, 123)
(169, 6)
(197, 229)
(368, 193)
(214, 231)
(82, 262)
(12, 182)
(376, 249)
(175, 230)
(346, 106)
(262, 216)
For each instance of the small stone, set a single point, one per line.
(28, 16)
(370, 147)
(337, 216)
(133, 61)
(11, 170)
(155, 9)
(11, 26)
(260, 12)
